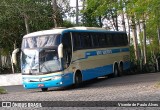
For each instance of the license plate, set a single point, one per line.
(40, 85)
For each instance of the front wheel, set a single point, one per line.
(44, 89)
(78, 80)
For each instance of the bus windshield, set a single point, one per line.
(36, 61)
(39, 55)
(41, 41)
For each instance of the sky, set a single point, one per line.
(73, 3)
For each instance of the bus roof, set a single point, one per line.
(87, 28)
(61, 29)
(44, 32)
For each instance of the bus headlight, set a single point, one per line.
(56, 77)
(26, 80)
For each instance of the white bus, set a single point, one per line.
(62, 57)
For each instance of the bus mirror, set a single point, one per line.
(60, 50)
(14, 57)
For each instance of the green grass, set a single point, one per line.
(2, 91)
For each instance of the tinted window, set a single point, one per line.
(102, 40)
(109, 39)
(67, 50)
(115, 40)
(95, 38)
(76, 41)
(125, 39)
(99, 40)
(66, 40)
(86, 41)
(121, 39)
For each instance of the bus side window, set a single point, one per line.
(102, 40)
(125, 39)
(110, 40)
(86, 41)
(115, 40)
(67, 49)
(95, 39)
(120, 39)
(76, 41)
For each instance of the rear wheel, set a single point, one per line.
(44, 89)
(121, 70)
(116, 71)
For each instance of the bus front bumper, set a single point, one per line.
(40, 83)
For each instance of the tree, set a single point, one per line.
(14, 15)
(141, 14)
(60, 7)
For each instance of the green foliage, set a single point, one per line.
(132, 55)
(13, 13)
(12, 25)
(5, 69)
(90, 17)
(2, 91)
(68, 24)
(89, 20)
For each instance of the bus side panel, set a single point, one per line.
(97, 72)
(68, 79)
(99, 62)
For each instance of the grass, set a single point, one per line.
(2, 91)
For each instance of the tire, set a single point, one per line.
(116, 71)
(121, 71)
(44, 89)
(78, 80)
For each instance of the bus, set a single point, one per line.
(68, 56)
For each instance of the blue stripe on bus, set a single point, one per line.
(116, 50)
(125, 49)
(103, 52)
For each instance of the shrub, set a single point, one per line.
(5, 69)
(2, 91)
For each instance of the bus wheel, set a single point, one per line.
(44, 89)
(116, 71)
(120, 70)
(78, 79)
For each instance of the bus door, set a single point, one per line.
(67, 50)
